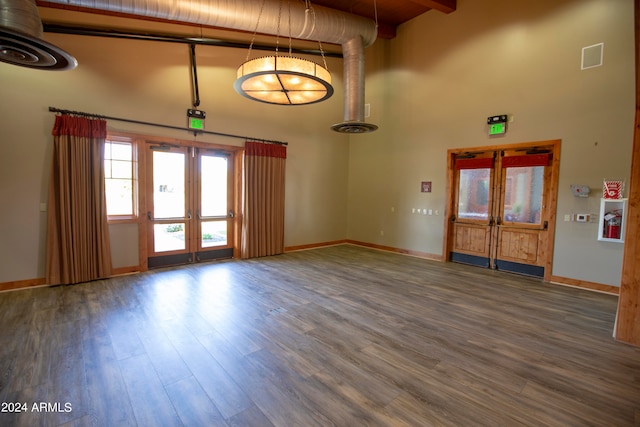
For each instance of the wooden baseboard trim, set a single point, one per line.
(583, 284)
(314, 246)
(125, 270)
(22, 284)
(416, 254)
(41, 281)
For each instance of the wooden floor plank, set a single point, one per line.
(341, 336)
(66, 383)
(109, 402)
(149, 399)
(249, 417)
(221, 388)
(193, 405)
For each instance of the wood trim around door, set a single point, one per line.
(552, 199)
(628, 318)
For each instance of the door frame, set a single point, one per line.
(552, 195)
(143, 232)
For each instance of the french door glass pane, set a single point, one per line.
(168, 185)
(214, 233)
(523, 194)
(168, 237)
(473, 194)
(213, 178)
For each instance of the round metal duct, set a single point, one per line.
(21, 39)
(353, 53)
(354, 127)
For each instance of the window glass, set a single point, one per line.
(523, 194)
(118, 170)
(473, 194)
(213, 175)
(169, 185)
(214, 233)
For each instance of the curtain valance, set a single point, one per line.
(253, 148)
(79, 126)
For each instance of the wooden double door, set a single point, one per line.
(502, 211)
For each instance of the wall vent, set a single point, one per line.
(592, 56)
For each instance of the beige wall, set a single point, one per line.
(432, 88)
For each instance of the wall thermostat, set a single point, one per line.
(583, 217)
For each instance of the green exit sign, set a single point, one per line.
(195, 119)
(497, 128)
(195, 123)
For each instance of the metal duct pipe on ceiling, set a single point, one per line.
(353, 54)
(316, 24)
(328, 25)
(21, 39)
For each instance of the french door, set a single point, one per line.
(503, 208)
(190, 199)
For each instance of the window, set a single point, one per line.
(119, 178)
(473, 194)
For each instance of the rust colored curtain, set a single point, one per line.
(263, 200)
(77, 230)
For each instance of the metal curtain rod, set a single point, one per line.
(80, 113)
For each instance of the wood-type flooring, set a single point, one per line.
(336, 336)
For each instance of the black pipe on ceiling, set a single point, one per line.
(135, 35)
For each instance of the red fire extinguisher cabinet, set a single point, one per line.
(612, 220)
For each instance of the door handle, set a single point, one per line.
(231, 215)
(188, 214)
(498, 221)
(149, 215)
(545, 225)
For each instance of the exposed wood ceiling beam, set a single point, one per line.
(446, 6)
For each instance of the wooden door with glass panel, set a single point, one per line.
(189, 204)
(502, 209)
(523, 211)
(473, 220)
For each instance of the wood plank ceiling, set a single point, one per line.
(390, 13)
